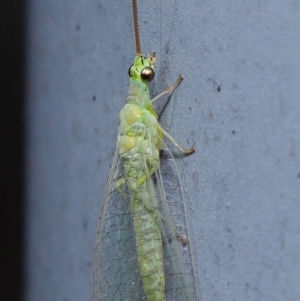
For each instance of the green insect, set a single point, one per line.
(140, 251)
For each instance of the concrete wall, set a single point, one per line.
(239, 104)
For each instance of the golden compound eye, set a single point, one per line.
(129, 70)
(147, 74)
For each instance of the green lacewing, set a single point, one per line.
(142, 250)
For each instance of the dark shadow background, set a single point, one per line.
(12, 72)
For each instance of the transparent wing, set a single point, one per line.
(115, 268)
(178, 250)
(115, 274)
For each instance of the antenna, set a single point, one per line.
(136, 27)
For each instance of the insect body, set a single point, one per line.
(136, 253)
(139, 143)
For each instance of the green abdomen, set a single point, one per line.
(149, 251)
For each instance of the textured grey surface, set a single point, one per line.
(239, 104)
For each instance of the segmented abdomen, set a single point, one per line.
(149, 249)
(139, 144)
